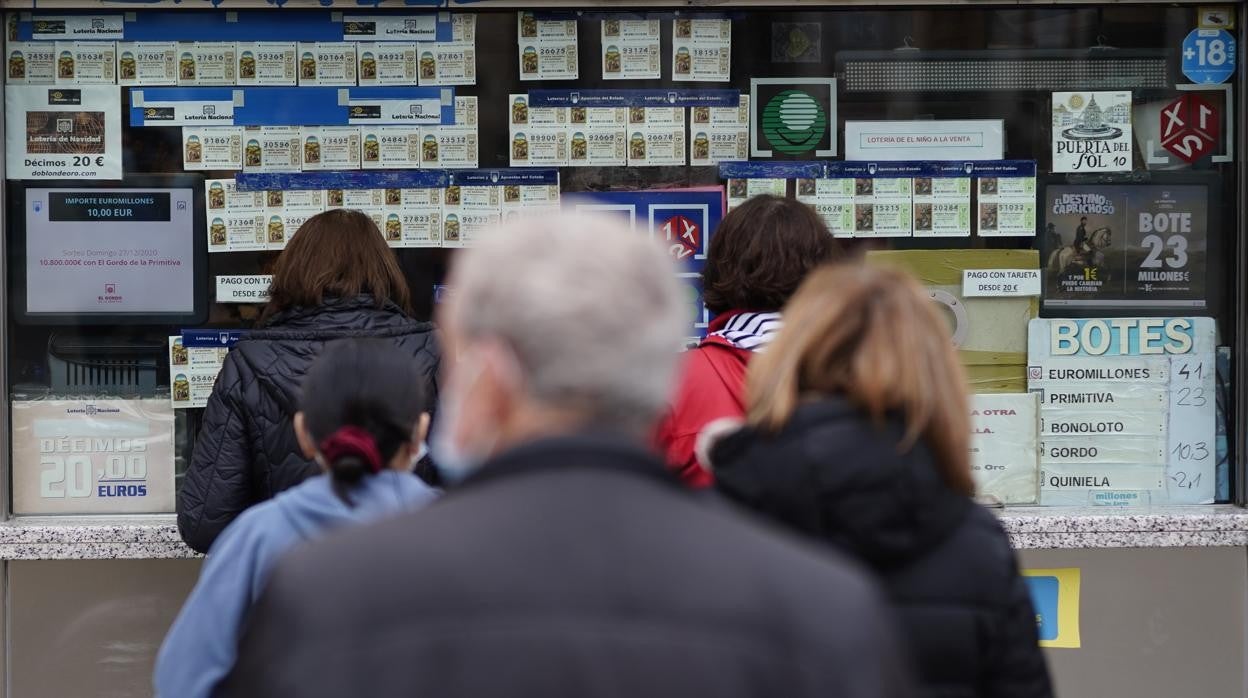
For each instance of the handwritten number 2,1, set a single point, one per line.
(1180, 480)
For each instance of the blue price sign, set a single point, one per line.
(1209, 56)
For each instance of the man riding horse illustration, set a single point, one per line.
(1087, 251)
(1081, 234)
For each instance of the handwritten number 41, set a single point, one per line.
(1188, 372)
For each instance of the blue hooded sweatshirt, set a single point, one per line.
(201, 646)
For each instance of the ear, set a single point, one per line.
(422, 428)
(502, 382)
(306, 443)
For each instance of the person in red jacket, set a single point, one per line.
(759, 255)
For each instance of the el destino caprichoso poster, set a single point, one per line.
(1125, 244)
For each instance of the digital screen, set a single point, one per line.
(110, 251)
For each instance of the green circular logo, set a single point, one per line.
(794, 122)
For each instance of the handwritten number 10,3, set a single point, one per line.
(1191, 452)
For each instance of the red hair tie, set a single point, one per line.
(352, 441)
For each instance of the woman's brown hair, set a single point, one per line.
(874, 337)
(336, 254)
(760, 253)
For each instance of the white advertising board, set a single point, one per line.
(1127, 409)
(63, 132)
(1004, 450)
(92, 456)
(924, 140)
(253, 288)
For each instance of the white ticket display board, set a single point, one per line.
(1127, 409)
(1005, 450)
(630, 49)
(92, 456)
(742, 190)
(701, 50)
(548, 48)
(192, 372)
(31, 63)
(719, 134)
(147, 63)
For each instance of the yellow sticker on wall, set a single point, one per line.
(1055, 596)
(1216, 17)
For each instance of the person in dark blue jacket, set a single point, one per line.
(362, 418)
(336, 279)
(858, 435)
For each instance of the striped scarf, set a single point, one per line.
(751, 331)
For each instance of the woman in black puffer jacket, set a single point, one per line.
(336, 279)
(858, 435)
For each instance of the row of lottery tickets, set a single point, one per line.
(631, 49)
(909, 207)
(454, 216)
(324, 148)
(228, 63)
(632, 136)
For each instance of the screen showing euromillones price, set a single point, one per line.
(126, 206)
(110, 251)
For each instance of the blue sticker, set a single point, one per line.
(204, 339)
(311, 25)
(505, 177)
(353, 179)
(667, 97)
(1044, 598)
(770, 170)
(293, 106)
(1209, 56)
(1002, 168)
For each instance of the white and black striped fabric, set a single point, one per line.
(751, 331)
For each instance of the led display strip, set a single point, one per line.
(964, 71)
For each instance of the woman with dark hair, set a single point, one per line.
(759, 255)
(336, 279)
(362, 419)
(858, 434)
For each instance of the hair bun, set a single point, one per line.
(349, 446)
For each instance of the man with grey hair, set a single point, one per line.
(565, 560)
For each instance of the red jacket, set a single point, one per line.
(712, 386)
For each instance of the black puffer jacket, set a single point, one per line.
(246, 451)
(568, 566)
(944, 560)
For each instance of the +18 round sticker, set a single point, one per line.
(1208, 56)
